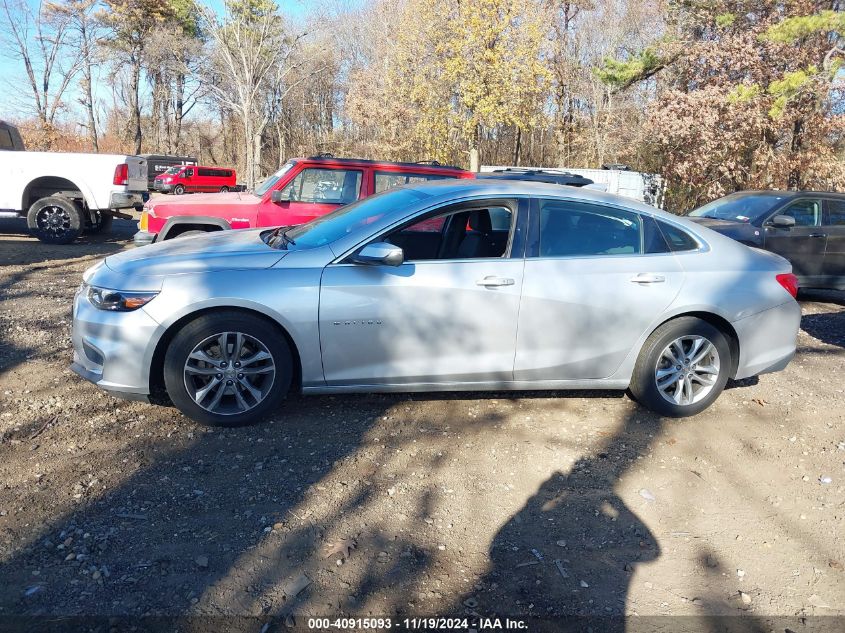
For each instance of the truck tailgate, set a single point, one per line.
(137, 173)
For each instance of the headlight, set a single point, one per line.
(118, 301)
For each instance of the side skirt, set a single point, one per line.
(522, 385)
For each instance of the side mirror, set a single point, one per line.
(783, 221)
(380, 253)
(280, 196)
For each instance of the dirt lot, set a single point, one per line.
(534, 504)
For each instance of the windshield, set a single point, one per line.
(738, 207)
(345, 220)
(173, 170)
(271, 180)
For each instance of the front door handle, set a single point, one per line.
(818, 234)
(495, 281)
(647, 278)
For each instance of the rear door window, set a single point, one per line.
(327, 186)
(578, 229)
(835, 213)
(387, 180)
(6, 139)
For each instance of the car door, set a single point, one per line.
(596, 278)
(313, 192)
(802, 244)
(833, 268)
(447, 315)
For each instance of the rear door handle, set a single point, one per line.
(495, 281)
(647, 278)
(818, 234)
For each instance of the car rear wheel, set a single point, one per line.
(55, 220)
(682, 368)
(224, 189)
(179, 190)
(228, 369)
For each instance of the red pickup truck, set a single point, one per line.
(301, 190)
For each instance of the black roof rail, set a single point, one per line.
(435, 164)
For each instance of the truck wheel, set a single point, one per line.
(102, 223)
(55, 220)
(179, 190)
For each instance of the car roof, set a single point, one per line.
(784, 193)
(506, 187)
(332, 160)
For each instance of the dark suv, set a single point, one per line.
(805, 227)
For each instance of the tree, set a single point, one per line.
(84, 36)
(130, 24)
(746, 97)
(39, 40)
(252, 59)
(471, 65)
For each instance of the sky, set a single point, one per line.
(12, 73)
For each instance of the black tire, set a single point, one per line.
(204, 330)
(55, 220)
(102, 223)
(179, 190)
(224, 189)
(644, 385)
(189, 234)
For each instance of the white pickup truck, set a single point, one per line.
(63, 194)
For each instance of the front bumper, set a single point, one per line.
(126, 200)
(114, 350)
(767, 340)
(162, 187)
(142, 238)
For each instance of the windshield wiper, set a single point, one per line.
(281, 233)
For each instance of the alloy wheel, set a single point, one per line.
(229, 373)
(687, 370)
(54, 221)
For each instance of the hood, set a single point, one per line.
(716, 224)
(199, 201)
(223, 250)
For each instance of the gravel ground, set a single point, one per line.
(530, 504)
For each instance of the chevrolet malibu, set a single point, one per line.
(454, 285)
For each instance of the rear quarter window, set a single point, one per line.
(677, 239)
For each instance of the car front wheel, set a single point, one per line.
(228, 369)
(682, 368)
(179, 190)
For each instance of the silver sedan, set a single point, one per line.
(455, 285)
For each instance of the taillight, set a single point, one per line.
(789, 283)
(121, 174)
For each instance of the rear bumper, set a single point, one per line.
(767, 339)
(125, 200)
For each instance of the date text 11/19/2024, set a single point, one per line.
(419, 624)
